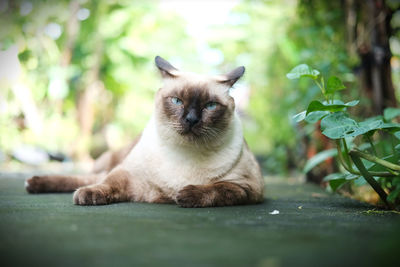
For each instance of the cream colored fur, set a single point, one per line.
(162, 159)
(213, 168)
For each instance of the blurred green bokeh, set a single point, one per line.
(87, 77)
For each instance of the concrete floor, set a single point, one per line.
(313, 228)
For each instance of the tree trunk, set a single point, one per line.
(372, 31)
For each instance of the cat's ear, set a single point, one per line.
(166, 69)
(231, 77)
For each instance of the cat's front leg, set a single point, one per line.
(114, 188)
(99, 194)
(212, 195)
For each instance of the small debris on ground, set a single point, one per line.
(274, 212)
(380, 212)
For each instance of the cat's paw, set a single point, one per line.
(91, 195)
(34, 185)
(191, 196)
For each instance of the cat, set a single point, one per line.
(192, 152)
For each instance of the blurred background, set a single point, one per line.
(78, 77)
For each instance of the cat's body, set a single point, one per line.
(191, 152)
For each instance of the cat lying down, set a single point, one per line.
(192, 152)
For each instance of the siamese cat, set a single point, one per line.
(192, 152)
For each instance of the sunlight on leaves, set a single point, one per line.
(318, 106)
(302, 70)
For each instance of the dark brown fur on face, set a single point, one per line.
(194, 103)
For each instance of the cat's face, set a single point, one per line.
(195, 111)
(197, 108)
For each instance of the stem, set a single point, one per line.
(395, 153)
(341, 159)
(321, 87)
(351, 170)
(346, 150)
(393, 172)
(392, 141)
(372, 145)
(369, 178)
(377, 160)
(383, 174)
(347, 165)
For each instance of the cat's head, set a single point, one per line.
(195, 108)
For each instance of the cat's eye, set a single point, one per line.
(211, 105)
(176, 101)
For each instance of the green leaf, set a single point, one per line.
(337, 180)
(318, 158)
(318, 106)
(334, 84)
(360, 181)
(333, 176)
(339, 125)
(397, 147)
(367, 164)
(315, 116)
(377, 167)
(397, 135)
(335, 184)
(312, 117)
(390, 113)
(302, 70)
(390, 127)
(393, 195)
(373, 125)
(339, 175)
(350, 176)
(299, 116)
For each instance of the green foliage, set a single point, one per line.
(336, 180)
(318, 158)
(315, 116)
(339, 125)
(270, 38)
(391, 113)
(336, 124)
(302, 70)
(111, 50)
(120, 40)
(394, 194)
(334, 84)
(334, 106)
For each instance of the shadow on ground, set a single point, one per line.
(313, 228)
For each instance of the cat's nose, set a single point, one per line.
(191, 118)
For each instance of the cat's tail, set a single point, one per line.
(60, 183)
